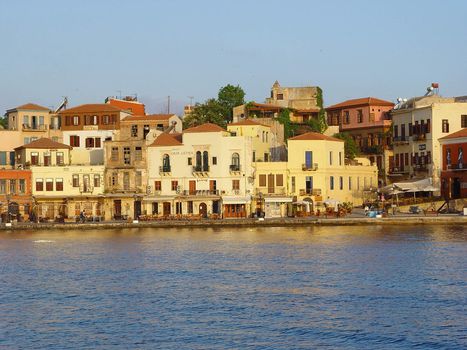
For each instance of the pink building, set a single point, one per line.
(368, 122)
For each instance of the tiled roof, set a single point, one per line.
(366, 101)
(31, 107)
(165, 139)
(455, 135)
(208, 127)
(314, 136)
(149, 117)
(92, 108)
(247, 122)
(44, 143)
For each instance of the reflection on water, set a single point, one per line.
(359, 287)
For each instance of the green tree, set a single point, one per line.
(284, 119)
(319, 125)
(350, 147)
(3, 122)
(210, 111)
(316, 125)
(229, 97)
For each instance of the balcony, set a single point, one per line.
(310, 167)
(234, 168)
(398, 171)
(457, 167)
(419, 137)
(200, 193)
(401, 140)
(310, 192)
(165, 170)
(40, 127)
(271, 191)
(421, 167)
(199, 170)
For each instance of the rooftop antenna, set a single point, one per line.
(191, 100)
(168, 104)
(119, 94)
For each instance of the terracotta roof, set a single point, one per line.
(165, 139)
(208, 127)
(366, 101)
(149, 117)
(455, 135)
(91, 108)
(314, 136)
(44, 143)
(247, 122)
(31, 107)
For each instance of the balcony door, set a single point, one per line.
(271, 183)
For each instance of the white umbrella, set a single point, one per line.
(332, 202)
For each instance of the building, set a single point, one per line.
(454, 163)
(202, 172)
(15, 194)
(129, 104)
(368, 121)
(126, 162)
(60, 188)
(262, 138)
(86, 127)
(418, 124)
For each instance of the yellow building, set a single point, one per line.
(61, 189)
(261, 136)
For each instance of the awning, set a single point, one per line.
(235, 200)
(278, 199)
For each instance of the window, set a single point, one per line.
(49, 185)
(59, 158)
(114, 154)
(346, 117)
(39, 184)
(126, 181)
(292, 181)
(406, 159)
(174, 185)
(198, 161)
(155, 208)
(134, 131)
(3, 158)
(12, 186)
(22, 186)
(138, 153)
(126, 156)
(396, 131)
(212, 185)
(331, 182)
(428, 157)
(58, 184)
(359, 116)
(74, 140)
(254, 157)
(235, 185)
(139, 178)
(47, 159)
(189, 207)
(330, 157)
(166, 163)
(97, 142)
(41, 121)
(157, 185)
(341, 182)
(105, 119)
(97, 180)
(410, 129)
(308, 159)
(280, 96)
(26, 140)
(75, 120)
(214, 160)
(114, 179)
(34, 158)
(445, 125)
(2, 186)
(235, 164)
(205, 161)
(190, 161)
(262, 180)
(309, 184)
(279, 180)
(75, 180)
(340, 158)
(26, 121)
(463, 121)
(89, 142)
(350, 182)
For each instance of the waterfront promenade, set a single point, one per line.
(356, 218)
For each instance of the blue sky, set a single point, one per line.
(88, 50)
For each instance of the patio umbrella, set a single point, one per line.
(332, 202)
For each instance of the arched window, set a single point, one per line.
(198, 161)
(166, 163)
(205, 161)
(235, 165)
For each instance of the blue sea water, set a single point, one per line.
(362, 287)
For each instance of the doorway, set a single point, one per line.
(137, 209)
(203, 210)
(117, 209)
(166, 208)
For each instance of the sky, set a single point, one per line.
(88, 50)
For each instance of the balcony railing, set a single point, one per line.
(200, 193)
(397, 170)
(234, 167)
(200, 169)
(310, 191)
(311, 166)
(401, 139)
(40, 127)
(419, 137)
(271, 191)
(164, 169)
(458, 166)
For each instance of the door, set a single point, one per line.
(137, 209)
(203, 210)
(192, 186)
(456, 188)
(308, 159)
(117, 209)
(166, 208)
